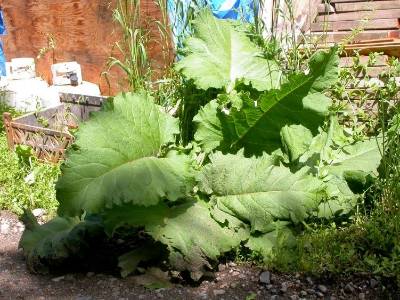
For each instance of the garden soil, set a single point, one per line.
(231, 281)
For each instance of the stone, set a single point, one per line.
(349, 288)
(284, 287)
(218, 292)
(361, 296)
(265, 277)
(58, 279)
(274, 297)
(39, 212)
(319, 294)
(309, 281)
(203, 296)
(322, 288)
(294, 297)
(373, 283)
(303, 293)
(89, 274)
(4, 228)
(221, 267)
(269, 286)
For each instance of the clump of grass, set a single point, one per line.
(24, 185)
(24, 182)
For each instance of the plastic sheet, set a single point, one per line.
(223, 9)
(3, 31)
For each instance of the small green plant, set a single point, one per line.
(24, 182)
(130, 53)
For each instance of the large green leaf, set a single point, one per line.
(257, 125)
(296, 140)
(209, 133)
(115, 159)
(362, 157)
(191, 235)
(218, 55)
(258, 192)
(269, 243)
(51, 246)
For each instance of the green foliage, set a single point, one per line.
(268, 162)
(116, 146)
(27, 185)
(371, 246)
(52, 245)
(257, 124)
(218, 56)
(262, 193)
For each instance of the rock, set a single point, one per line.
(232, 264)
(269, 286)
(274, 297)
(294, 297)
(303, 293)
(141, 297)
(373, 283)
(265, 277)
(221, 267)
(89, 274)
(57, 279)
(319, 294)
(322, 288)
(349, 288)
(361, 296)
(39, 212)
(83, 298)
(4, 228)
(218, 292)
(309, 281)
(203, 296)
(284, 287)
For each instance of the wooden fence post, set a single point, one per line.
(7, 117)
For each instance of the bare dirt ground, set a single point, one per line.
(230, 281)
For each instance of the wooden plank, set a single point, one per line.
(7, 118)
(349, 1)
(348, 62)
(349, 25)
(366, 5)
(325, 8)
(351, 16)
(84, 31)
(342, 36)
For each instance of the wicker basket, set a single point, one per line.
(47, 131)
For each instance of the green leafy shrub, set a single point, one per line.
(267, 157)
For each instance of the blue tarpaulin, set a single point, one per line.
(222, 9)
(3, 31)
(234, 9)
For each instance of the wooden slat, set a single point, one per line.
(348, 62)
(371, 15)
(366, 5)
(349, 1)
(335, 37)
(325, 8)
(349, 25)
(84, 32)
